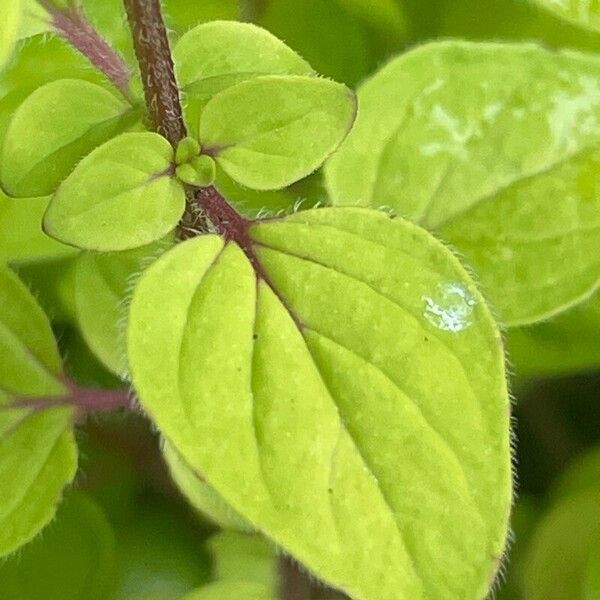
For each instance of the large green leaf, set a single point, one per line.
(9, 28)
(591, 584)
(73, 560)
(585, 13)
(201, 495)
(37, 450)
(217, 55)
(565, 344)
(53, 129)
(350, 401)
(22, 238)
(271, 131)
(102, 286)
(235, 590)
(507, 173)
(121, 196)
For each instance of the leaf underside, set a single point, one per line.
(351, 400)
(508, 174)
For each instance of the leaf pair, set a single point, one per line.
(266, 132)
(350, 398)
(38, 456)
(507, 173)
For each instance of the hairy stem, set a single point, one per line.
(153, 52)
(163, 102)
(72, 25)
(84, 400)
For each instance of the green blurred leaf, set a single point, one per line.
(183, 15)
(581, 475)
(9, 29)
(269, 132)
(54, 128)
(74, 558)
(102, 285)
(335, 43)
(508, 173)
(200, 495)
(160, 555)
(585, 13)
(322, 384)
(243, 557)
(38, 456)
(236, 590)
(119, 197)
(556, 562)
(591, 585)
(566, 344)
(217, 55)
(22, 238)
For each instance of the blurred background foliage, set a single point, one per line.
(125, 531)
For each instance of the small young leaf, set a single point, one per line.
(22, 239)
(243, 557)
(102, 284)
(216, 55)
(74, 559)
(359, 385)
(232, 591)
(119, 197)
(585, 13)
(200, 171)
(54, 128)
(507, 173)
(187, 149)
(200, 495)
(9, 28)
(37, 450)
(271, 131)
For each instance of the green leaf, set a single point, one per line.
(582, 475)
(557, 559)
(216, 55)
(232, 591)
(119, 197)
(183, 15)
(359, 384)
(566, 344)
(200, 495)
(243, 557)
(9, 29)
(161, 553)
(22, 237)
(385, 15)
(508, 174)
(37, 451)
(336, 44)
(271, 131)
(591, 585)
(585, 13)
(74, 559)
(54, 128)
(102, 286)
(200, 171)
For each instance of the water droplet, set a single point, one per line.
(450, 308)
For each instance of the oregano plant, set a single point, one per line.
(327, 380)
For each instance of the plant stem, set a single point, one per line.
(164, 106)
(84, 400)
(72, 25)
(251, 10)
(153, 52)
(295, 585)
